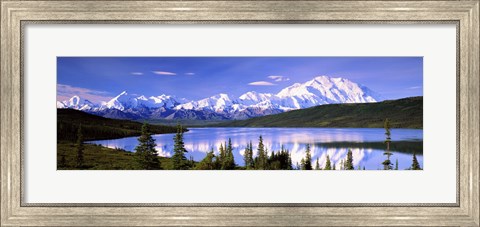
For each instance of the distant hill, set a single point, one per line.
(403, 113)
(97, 128)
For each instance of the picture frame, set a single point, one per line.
(465, 14)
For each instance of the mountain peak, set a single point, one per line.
(322, 78)
(248, 95)
(122, 93)
(325, 90)
(221, 96)
(326, 79)
(142, 97)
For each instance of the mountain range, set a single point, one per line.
(318, 91)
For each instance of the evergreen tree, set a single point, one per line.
(261, 159)
(396, 164)
(289, 160)
(207, 163)
(222, 155)
(308, 158)
(79, 148)
(328, 165)
(349, 162)
(229, 162)
(387, 164)
(341, 165)
(248, 156)
(145, 153)
(317, 165)
(179, 160)
(191, 162)
(302, 164)
(280, 160)
(415, 164)
(333, 166)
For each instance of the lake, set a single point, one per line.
(366, 143)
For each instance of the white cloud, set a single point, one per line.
(261, 83)
(136, 73)
(189, 74)
(65, 92)
(164, 73)
(414, 87)
(279, 78)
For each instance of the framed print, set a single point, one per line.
(298, 113)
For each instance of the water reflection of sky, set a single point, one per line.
(198, 141)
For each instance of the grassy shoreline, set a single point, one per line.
(98, 157)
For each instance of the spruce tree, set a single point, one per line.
(225, 156)
(191, 162)
(308, 158)
(79, 148)
(302, 164)
(328, 164)
(349, 162)
(415, 164)
(248, 156)
(261, 159)
(222, 155)
(145, 153)
(178, 158)
(317, 165)
(251, 161)
(289, 160)
(207, 163)
(279, 160)
(229, 162)
(396, 164)
(387, 164)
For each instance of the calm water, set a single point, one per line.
(366, 143)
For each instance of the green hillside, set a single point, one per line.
(97, 128)
(403, 113)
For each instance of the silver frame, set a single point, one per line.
(15, 14)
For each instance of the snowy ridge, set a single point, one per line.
(318, 91)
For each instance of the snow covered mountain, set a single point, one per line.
(125, 101)
(325, 90)
(318, 91)
(76, 103)
(217, 103)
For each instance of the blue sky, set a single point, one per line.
(100, 78)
